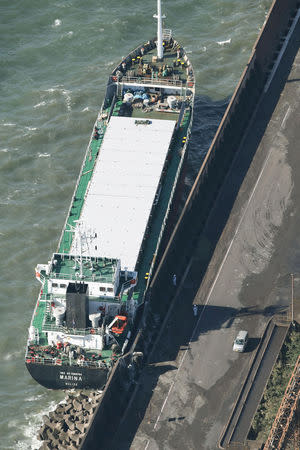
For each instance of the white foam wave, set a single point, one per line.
(33, 398)
(224, 42)
(43, 155)
(12, 355)
(60, 90)
(8, 124)
(56, 23)
(33, 422)
(38, 105)
(4, 150)
(52, 89)
(85, 109)
(67, 96)
(30, 128)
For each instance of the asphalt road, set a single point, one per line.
(186, 394)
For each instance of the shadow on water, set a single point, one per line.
(207, 117)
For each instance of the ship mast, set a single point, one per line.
(159, 17)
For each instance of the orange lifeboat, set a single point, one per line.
(119, 325)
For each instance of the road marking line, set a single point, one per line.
(211, 289)
(285, 117)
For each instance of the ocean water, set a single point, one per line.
(56, 56)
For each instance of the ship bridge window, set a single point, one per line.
(102, 289)
(62, 285)
(110, 290)
(55, 285)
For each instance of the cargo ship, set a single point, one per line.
(86, 312)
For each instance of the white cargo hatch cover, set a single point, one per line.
(123, 186)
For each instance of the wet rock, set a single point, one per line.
(46, 419)
(72, 412)
(55, 443)
(42, 435)
(73, 433)
(60, 409)
(81, 426)
(63, 436)
(90, 407)
(70, 424)
(65, 427)
(60, 426)
(81, 397)
(77, 405)
(72, 447)
(77, 440)
(68, 407)
(49, 434)
(46, 445)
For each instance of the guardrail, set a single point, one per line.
(152, 80)
(71, 331)
(65, 362)
(73, 276)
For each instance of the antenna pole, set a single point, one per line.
(292, 275)
(159, 17)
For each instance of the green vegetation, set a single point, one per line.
(276, 386)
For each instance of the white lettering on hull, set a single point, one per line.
(70, 378)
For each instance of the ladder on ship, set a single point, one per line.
(36, 336)
(167, 34)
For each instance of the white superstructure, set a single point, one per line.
(123, 187)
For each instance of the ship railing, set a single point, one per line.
(73, 276)
(151, 81)
(66, 362)
(177, 175)
(71, 331)
(88, 149)
(127, 285)
(45, 297)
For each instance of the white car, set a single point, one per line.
(240, 341)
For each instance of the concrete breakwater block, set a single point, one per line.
(65, 427)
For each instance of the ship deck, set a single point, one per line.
(138, 71)
(93, 268)
(147, 76)
(86, 175)
(121, 193)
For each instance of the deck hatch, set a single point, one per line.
(123, 186)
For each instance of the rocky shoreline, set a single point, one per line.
(65, 427)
